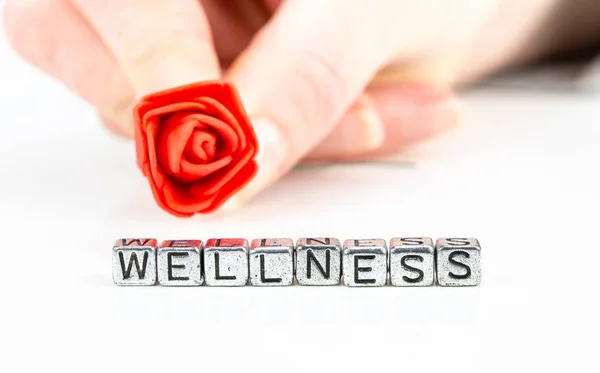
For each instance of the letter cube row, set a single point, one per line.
(413, 261)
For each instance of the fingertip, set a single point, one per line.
(361, 130)
(388, 119)
(369, 120)
(273, 159)
(415, 112)
(118, 128)
(159, 45)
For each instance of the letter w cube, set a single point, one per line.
(134, 261)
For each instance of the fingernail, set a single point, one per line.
(273, 151)
(369, 124)
(434, 117)
(371, 127)
(416, 111)
(361, 130)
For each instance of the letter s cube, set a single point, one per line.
(458, 261)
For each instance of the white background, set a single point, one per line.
(521, 175)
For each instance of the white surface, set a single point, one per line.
(521, 175)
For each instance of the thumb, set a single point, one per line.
(302, 73)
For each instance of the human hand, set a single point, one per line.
(321, 79)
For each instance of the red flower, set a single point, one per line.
(195, 145)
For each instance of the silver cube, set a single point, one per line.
(271, 262)
(365, 262)
(458, 261)
(178, 263)
(318, 261)
(411, 261)
(226, 262)
(134, 261)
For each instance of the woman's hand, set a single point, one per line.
(320, 79)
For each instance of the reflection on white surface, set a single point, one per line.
(521, 175)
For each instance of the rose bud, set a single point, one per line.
(195, 145)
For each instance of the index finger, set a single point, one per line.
(159, 44)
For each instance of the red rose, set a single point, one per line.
(195, 145)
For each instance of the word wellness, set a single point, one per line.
(414, 261)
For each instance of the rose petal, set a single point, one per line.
(232, 100)
(158, 195)
(173, 138)
(171, 141)
(218, 180)
(141, 149)
(186, 93)
(240, 180)
(227, 137)
(141, 109)
(179, 199)
(155, 170)
(226, 116)
(139, 133)
(201, 146)
(191, 107)
(202, 132)
(191, 172)
(227, 131)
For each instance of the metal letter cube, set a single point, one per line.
(134, 261)
(458, 261)
(271, 262)
(365, 262)
(179, 263)
(411, 261)
(318, 261)
(226, 262)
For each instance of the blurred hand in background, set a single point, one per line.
(321, 79)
